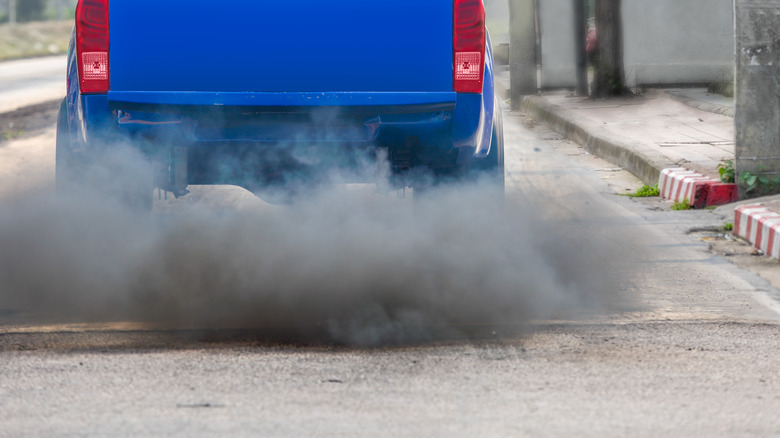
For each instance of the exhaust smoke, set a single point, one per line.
(361, 266)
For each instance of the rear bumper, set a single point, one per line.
(438, 131)
(442, 120)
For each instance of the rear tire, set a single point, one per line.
(75, 174)
(65, 172)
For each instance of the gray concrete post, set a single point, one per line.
(757, 92)
(12, 12)
(522, 50)
(580, 34)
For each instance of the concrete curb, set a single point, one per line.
(642, 161)
(760, 226)
(678, 184)
(704, 106)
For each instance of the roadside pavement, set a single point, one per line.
(674, 137)
(644, 134)
(27, 82)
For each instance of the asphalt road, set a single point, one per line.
(28, 82)
(686, 345)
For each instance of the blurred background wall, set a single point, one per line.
(497, 20)
(678, 41)
(22, 11)
(666, 42)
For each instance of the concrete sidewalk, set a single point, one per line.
(643, 134)
(675, 138)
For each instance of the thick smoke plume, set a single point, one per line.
(363, 266)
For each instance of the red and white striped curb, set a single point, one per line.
(678, 184)
(760, 226)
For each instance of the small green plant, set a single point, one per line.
(684, 205)
(726, 171)
(728, 226)
(759, 183)
(645, 192)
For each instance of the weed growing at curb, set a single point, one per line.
(759, 184)
(726, 171)
(728, 226)
(684, 205)
(645, 192)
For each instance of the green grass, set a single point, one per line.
(684, 205)
(26, 40)
(10, 135)
(645, 192)
(728, 226)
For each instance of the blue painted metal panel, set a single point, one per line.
(161, 65)
(445, 99)
(281, 46)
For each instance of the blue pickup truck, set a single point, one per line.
(273, 94)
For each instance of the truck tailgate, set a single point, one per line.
(275, 46)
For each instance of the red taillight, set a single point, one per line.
(92, 45)
(468, 37)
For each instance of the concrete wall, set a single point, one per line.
(497, 17)
(556, 21)
(678, 41)
(665, 41)
(522, 56)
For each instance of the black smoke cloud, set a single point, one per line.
(364, 267)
